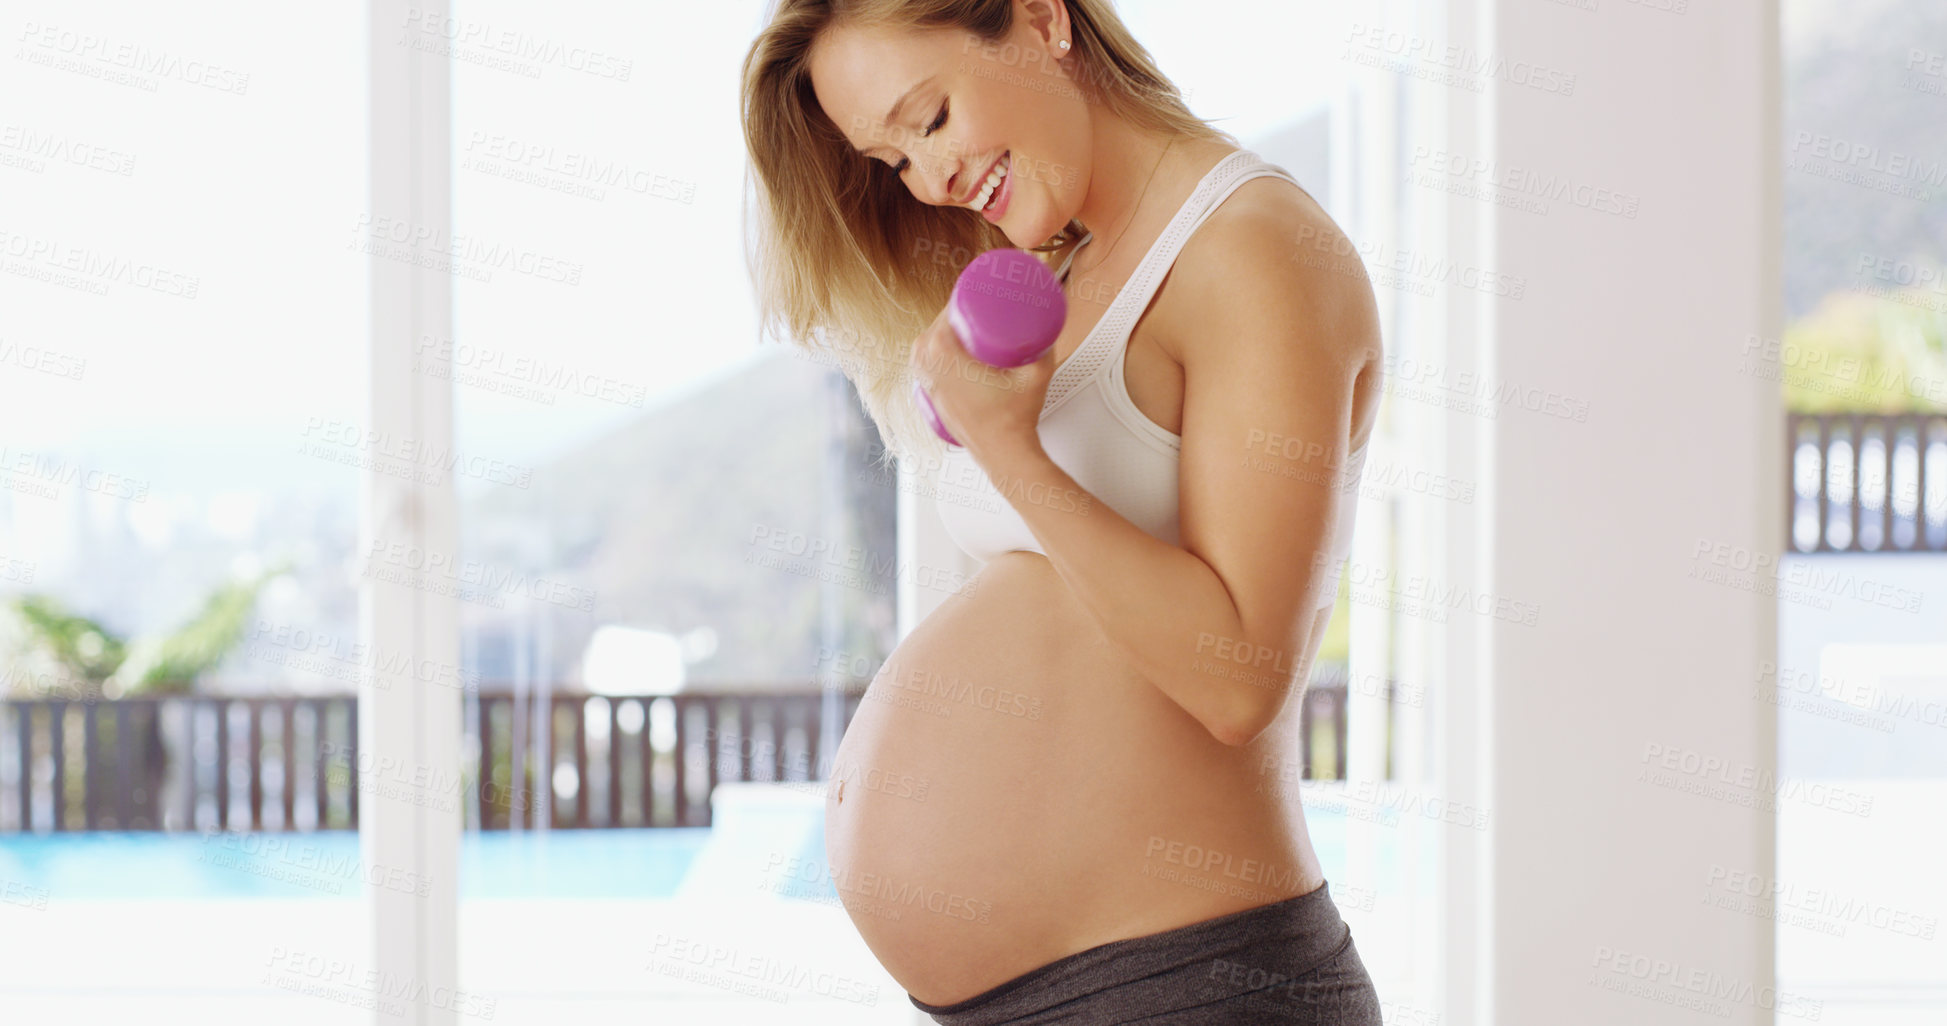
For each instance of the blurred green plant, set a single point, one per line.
(1857, 353)
(97, 663)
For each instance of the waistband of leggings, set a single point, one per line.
(1307, 928)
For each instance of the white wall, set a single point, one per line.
(1582, 898)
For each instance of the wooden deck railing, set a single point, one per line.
(292, 763)
(637, 761)
(1868, 483)
(178, 762)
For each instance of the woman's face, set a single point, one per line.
(966, 103)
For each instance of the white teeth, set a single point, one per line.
(992, 183)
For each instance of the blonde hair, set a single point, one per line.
(834, 256)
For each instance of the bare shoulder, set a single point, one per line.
(1272, 249)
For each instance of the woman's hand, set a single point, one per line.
(990, 410)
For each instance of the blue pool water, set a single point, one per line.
(559, 864)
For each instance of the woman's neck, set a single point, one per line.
(1120, 166)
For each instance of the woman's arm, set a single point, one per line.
(1274, 336)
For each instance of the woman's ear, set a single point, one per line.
(1049, 19)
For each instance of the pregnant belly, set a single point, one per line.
(1011, 791)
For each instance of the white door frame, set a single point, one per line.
(409, 732)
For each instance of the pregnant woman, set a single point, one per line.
(1070, 795)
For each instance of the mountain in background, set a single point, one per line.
(661, 518)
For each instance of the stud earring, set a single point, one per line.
(1064, 44)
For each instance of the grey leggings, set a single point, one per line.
(1291, 961)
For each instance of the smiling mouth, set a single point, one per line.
(991, 187)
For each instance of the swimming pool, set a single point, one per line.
(325, 865)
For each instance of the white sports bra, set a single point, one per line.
(1091, 428)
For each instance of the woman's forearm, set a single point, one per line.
(1165, 608)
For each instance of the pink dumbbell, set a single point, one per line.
(1006, 310)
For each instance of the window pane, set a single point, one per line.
(1860, 678)
(639, 449)
(639, 452)
(183, 325)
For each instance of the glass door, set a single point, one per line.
(660, 675)
(183, 363)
